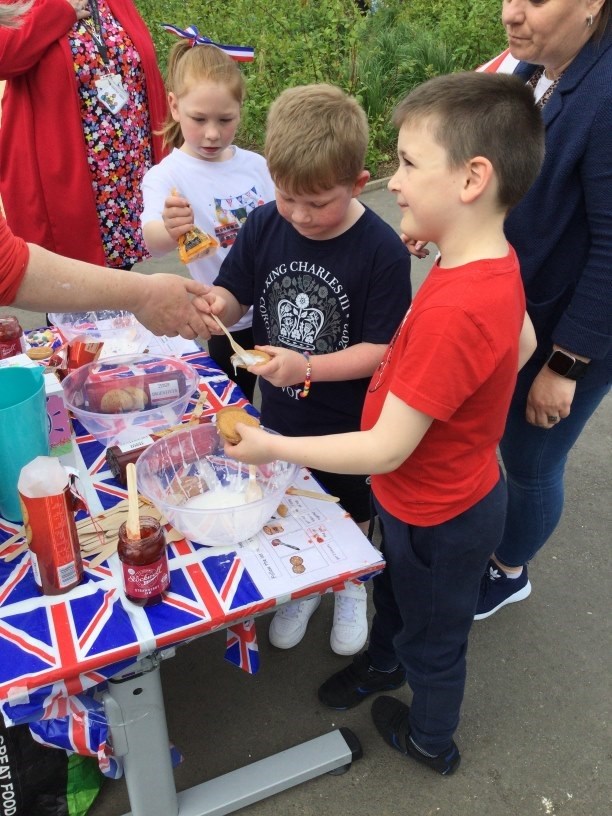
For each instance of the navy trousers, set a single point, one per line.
(535, 459)
(424, 603)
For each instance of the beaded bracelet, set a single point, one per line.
(306, 390)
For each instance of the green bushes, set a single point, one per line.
(394, 56)
(471, 28)
(378, 57)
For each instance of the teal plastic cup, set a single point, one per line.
(23, 431)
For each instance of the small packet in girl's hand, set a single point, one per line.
(196, 244)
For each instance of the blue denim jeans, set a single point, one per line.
(425, 602)
(534, 460)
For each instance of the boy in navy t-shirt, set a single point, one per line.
(329, 282)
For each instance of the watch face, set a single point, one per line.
(560, 363)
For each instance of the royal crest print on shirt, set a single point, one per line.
(231, 213)
(305, 308)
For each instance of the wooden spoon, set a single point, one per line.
(236, 346)
(132, 525)
(253, 490)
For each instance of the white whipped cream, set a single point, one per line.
(215, 500)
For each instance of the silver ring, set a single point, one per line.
(552, 418)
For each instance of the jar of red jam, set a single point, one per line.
(145, 563)
(11, 337)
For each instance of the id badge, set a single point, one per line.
(111, 92)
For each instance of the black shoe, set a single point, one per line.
(347, 688)
(392, 719)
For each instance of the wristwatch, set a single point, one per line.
(566, 365)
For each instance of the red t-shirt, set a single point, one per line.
(455, 358)
(14, 254)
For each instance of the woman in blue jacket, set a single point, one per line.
(562, 232)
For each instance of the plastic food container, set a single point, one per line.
(121, 399)
(120, 332)
(202, 492)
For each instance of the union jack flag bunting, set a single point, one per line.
(241, 646)
(82, 729)
(503, 63)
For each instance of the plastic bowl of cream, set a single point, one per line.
(202, 492)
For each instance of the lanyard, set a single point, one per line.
(96, 33)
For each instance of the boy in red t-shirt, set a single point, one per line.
(470, 145)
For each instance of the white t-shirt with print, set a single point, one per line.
(221, 195)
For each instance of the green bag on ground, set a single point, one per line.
(83, 783)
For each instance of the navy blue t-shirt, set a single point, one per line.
(318, 296)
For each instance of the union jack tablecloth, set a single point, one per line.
(53, 647)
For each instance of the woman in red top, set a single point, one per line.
(82, 101)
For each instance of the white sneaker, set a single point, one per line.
(350, 630)
(289, 624)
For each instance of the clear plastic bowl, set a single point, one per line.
(120, 332)
(124, 398)
(190, 463)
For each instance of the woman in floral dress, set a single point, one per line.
(83, 100)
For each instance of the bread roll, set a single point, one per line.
(227, 419)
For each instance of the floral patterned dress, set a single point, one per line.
(119, 150)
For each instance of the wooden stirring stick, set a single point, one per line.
(132, 524)
(236, 346)
(198, 408)
(311, 494)
(12, 540)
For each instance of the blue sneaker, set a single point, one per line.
(497, 590)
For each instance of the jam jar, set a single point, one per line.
(11, 337)
(144, 562)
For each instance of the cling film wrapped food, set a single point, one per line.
(74, 354)
(123, 387)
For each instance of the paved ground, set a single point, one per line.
(535, 733)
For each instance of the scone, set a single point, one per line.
(227, 419)
(116, 401)
(139, 397)
(122, 400)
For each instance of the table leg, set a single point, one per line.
(134, 707)
(330, 753)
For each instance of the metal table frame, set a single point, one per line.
(134, 706)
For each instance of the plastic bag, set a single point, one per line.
(40, 781)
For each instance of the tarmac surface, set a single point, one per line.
(535, 732)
